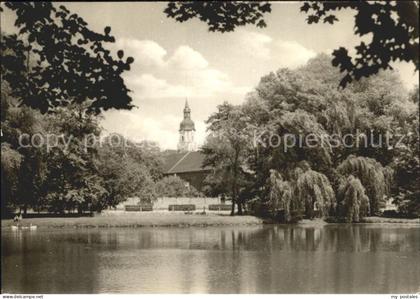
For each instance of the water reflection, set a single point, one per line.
(272, 259)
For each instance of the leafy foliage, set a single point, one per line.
(80, 176)
(220, 16)
(56, 64)
(281, 195)
(73, 182)
(353, 201)
(24, 185)
(174, 186)
(306, 101)
(373, 177)
(393, 25)
(10, 164)
(128, 169)
(406, 165)
(226, 151)
(315, 193)
(57, 60)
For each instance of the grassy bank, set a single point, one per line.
(139, 220)
(171, 219)
(391, 220)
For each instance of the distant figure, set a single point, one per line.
(17, 219)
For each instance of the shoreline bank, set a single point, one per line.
(175, 220)
(139, 220)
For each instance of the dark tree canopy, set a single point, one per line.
(57, 60)
(393, 26)
(220, 16)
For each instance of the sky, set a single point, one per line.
(175, 61)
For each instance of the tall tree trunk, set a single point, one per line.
(232, 211)
(240, 212)
(234, 196)
(240, 205)
(235, 182)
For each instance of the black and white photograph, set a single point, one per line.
(210, 148)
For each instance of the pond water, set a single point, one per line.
(241, 259)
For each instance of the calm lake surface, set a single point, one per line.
(242, 259)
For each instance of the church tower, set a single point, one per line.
(186, 131)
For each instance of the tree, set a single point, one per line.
(281, 195)
(374, 178)
(174, 186)
(28, 176)
(377, 103)
(315, 193)
(406, 164)
(128, 169)
(72, 180)
(297, 103)
(57, 60)
(10, 164)
(286, 107)
(352, 198)
(394, 28)
(226, 149)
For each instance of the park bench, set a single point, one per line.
(220, 207)
(138, 208)
(181, 207)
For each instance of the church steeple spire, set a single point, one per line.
(187, 110)
(186, 131)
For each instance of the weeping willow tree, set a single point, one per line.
(353, 201)
(280, 195)
(375, 178)
(314, 193)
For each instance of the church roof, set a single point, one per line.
(185, 162)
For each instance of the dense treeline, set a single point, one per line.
(365, 153)
(81, 175)
(77, 170)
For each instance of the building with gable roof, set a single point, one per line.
(187, 162)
